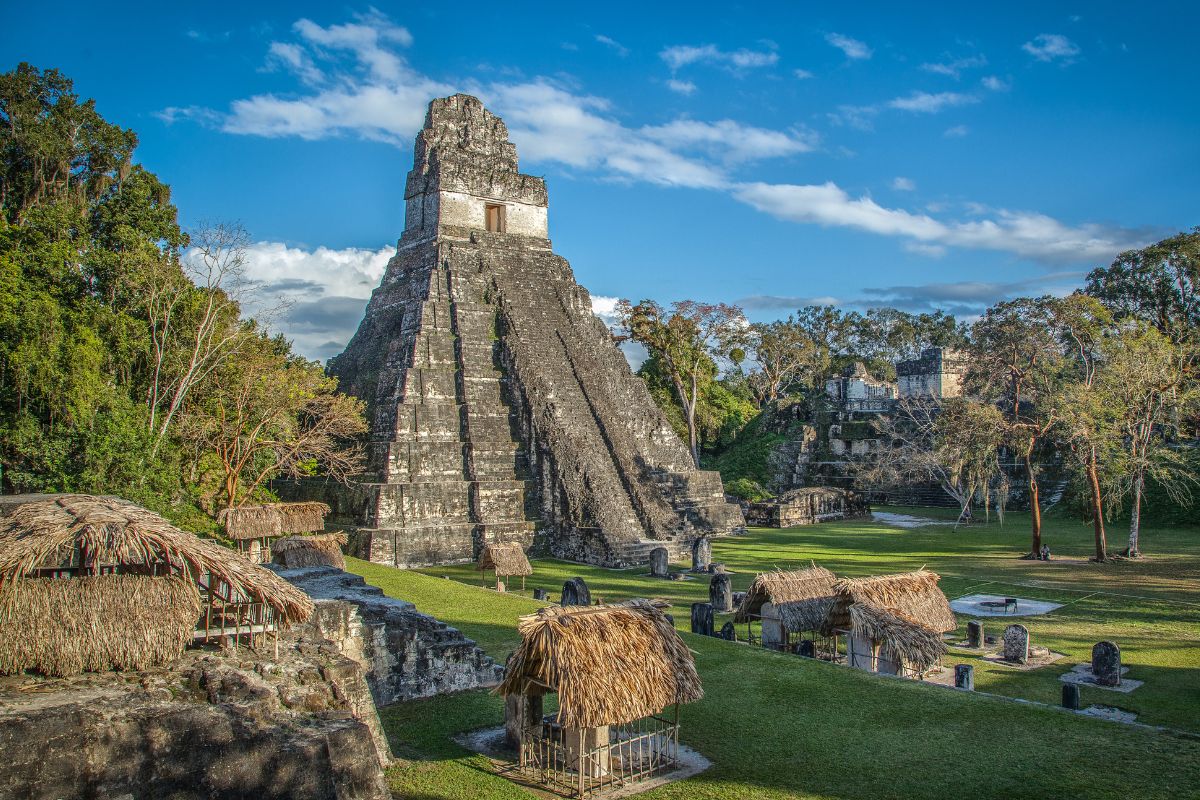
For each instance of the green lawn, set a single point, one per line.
(781, 726)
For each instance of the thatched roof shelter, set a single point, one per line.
(318, 550)
(917, 647)
(610, 665)
(913, 596)
(802, 597)
(133, 596)
(505, 558)
(268, 520)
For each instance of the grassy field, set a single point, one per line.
(781, 726)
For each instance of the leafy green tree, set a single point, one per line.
(1086, 423)
(1146, 382)
(687, 340)
(111, 337)
(1159, 284)
(266, 413)
(1016, 362)
(785, 357)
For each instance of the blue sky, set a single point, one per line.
(771, 155)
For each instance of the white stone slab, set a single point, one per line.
(972, 606)
(1082, 675)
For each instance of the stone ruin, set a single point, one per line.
(500, 407)
(808, 506)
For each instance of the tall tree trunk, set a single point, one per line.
(1135, 518)
(693, 439)
(1097, 507)
(1035, 503)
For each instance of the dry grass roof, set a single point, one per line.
(609, 664)
(916, 645)
(506, 558)
(62, 627)
(265, 520)
(61, 532)
(914, 596)
(318, 550)
(802, 597)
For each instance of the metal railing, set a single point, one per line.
(572, 763)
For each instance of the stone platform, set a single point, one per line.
(972, 606)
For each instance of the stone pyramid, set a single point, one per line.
(500, 407)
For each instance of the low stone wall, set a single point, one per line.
(214, 724)
(407, 654)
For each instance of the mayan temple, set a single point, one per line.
(500, 407)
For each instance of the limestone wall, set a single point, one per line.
(214, 724)
(405, 654)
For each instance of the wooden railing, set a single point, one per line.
(566, 762)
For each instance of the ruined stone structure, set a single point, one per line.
(856, 390)
(406, 654)
(808, 506)
(501, 410)
(936, 373)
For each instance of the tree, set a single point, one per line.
(1159, 284)
(784, 355)
(266, 413)
(1016, 361)
(194, 319)
(54, 148)
(687, 341)
(1146, 382)
(1086, 422)
(954, 443)
(884, 336)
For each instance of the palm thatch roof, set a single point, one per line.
(915, 645)
(79, 531)
(266, 520)
(802, 597)
(610, 665)
(318, 550)
(915, 596)
(506, 558)
(97, 623)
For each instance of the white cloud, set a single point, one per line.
(377, 95)
(1051, 46)
(801, 74)
(295, 59)
(853, 48)
(681, 87)
(901, 184)
(927, 103)
(552, 124)
(994, 83)
(606, 309)
(680, 56)
(956, 132)
(613, 44)
(955, 67)
(728, 140)
(326, 291)
(1022, 233)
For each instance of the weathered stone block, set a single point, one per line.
(1106, 663)
(720, 592)
(1016, 644)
